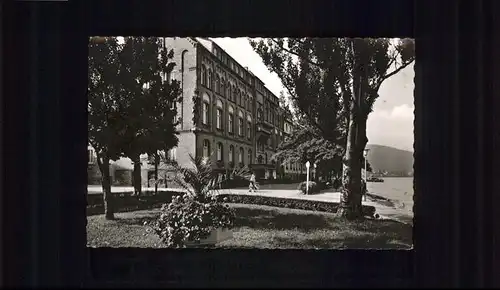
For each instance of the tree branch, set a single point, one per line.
(393, 72)
(296, 54)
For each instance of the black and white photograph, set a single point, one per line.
(265, 143)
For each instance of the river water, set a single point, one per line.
(398, 189)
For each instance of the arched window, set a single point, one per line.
(206, 148)
(206, 109)
(209, 84)
(220, 112)
(240, 123)
(223, 87)
(203, 75)
(230, 122)
(249, 105)
(231, 153)
(235, 94)
(217, 83)
(250, 157)
(240, 156)
(249, 127)
(220, 152)
(228, 88)
(259, 159)
(240, 98)
(259, 114)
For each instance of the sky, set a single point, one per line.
(390, 123)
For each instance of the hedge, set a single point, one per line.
(125, 201)
(303, 204)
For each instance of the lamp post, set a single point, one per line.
(315, 175)
(307, 176)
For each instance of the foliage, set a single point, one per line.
(151, 97)
(311, 189)
(105, 102)
(105, 108)
(333, 84)
(306, 144)
(188, 219)
(194, 215)
(200, 180)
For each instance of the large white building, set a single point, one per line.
(226, 114)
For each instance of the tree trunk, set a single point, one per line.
(106, 188)
(136, 175)
(351, 196)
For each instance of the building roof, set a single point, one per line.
(205, 42)
(208, 44)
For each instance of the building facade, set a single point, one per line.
(226, 113)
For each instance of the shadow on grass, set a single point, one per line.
(275, 219)
(302, 229)
(136, 218)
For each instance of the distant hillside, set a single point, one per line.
(385, 158)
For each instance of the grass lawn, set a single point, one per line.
(259, 226)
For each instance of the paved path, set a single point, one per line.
(384, 208)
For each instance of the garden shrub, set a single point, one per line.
(188, 219)
(313, 205)
(123, 177)
(322, 185)
(194, 215)
(313, 187)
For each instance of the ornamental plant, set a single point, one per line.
(192, 216)
(187, 219)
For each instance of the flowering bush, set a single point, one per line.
(313, 187)
(194, 215)
(187, 219)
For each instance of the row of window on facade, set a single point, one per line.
(272, 116)
(226, 89)
(231, 118)
(232, 65)
(241, 153)
(238, 96)
(231, 154)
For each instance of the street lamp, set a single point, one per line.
(315, 177)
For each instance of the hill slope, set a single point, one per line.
(392, 160)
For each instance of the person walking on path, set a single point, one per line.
(252, 186)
